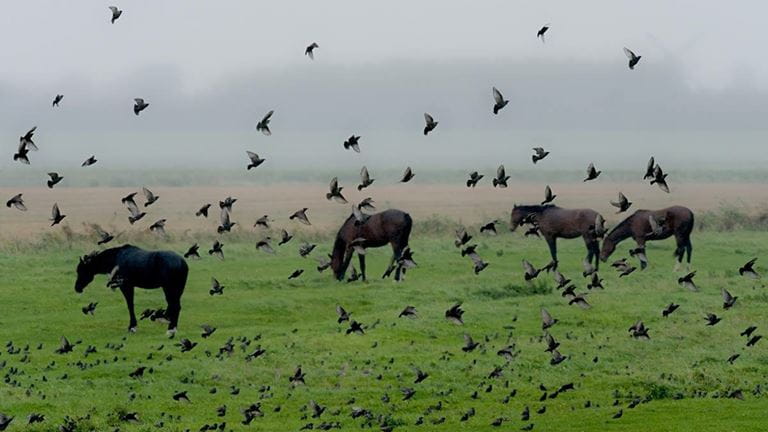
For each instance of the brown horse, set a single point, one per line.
(675, 220)
(555, 222)
(388, 227)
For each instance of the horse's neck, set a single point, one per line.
(534, 210)
(622, 232)
(105, 261)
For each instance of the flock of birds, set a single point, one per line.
(314, 410)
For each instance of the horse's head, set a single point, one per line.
(607, 249)
(517, 218)
(85, 272)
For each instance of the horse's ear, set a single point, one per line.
(514, 206)
(81, 260)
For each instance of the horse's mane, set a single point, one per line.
(621, 226)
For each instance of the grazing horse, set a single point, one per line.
(132, 267)
(388, 227)
(555, 222)
(675, 220)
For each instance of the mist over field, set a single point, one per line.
(697, 100)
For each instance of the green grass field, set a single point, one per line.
(681, 373)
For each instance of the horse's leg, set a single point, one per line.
(552, 242)
(128, 294)
(361, 258)
(588, 242)
(595, 246)
(641, 245)
(679, 251)
(173, 300)
(397, 251)
(689, 251)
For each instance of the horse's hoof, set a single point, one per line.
(131, 329)
(171, 333)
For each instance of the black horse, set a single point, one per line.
(132, 267)
(388, 227)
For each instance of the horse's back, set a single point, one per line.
(151, 269)
(568, 223)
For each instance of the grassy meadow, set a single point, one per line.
(680, 376)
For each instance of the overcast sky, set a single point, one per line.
(211, 69)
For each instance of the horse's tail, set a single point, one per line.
(407, 229)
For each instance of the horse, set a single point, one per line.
(675, 220)
(555, 222)
(391, 227)
(131, 267)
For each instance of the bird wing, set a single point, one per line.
(428, 118)
(148, 194)
(334, 186)
(651, 163)
(545, 316)
(253, 156)
(630, 55)
(340, 311)
(268, 116)
(528, 267)
(55, 213)
(224, 217)
(139, 101)
(113, 9)
(590, 168)
(364, 176)
(132, 207)
(497, 96)
(501, 172)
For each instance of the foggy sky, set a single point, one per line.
(210, 70)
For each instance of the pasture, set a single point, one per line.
(679, 380)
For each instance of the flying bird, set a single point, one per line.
(745, 270)
(539, 154)
(687, 281)
(203, 211)
(263, 125)
(225, 222)
(115, 13)
(335, 192)
(90, 161)
(365, 179)
(310, 50)
(669, 309)
(728, 299)
(474, 177)
(633, 58)
(57, 100)
(660, 179)
(158, 227)
(353, 142)
(16, 201)
(262, 222)
(622, 203)
(454, 314)
(301, 216)
(501, 177)
(649, 169)
(284, 237)
(56, 216)
(592, 173)
(216, 287)
(133, 208)
(55, 178)
(431, 124)
(104, 236)
(489, 228)
(712, 319)
(217, 249)
(498, 101)
(548, 196)
(407, 175)
(149, 197)
(264, 246)
(139, 105)
(255, 160)
(546, 319)
(192, 252)
(541, 32)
